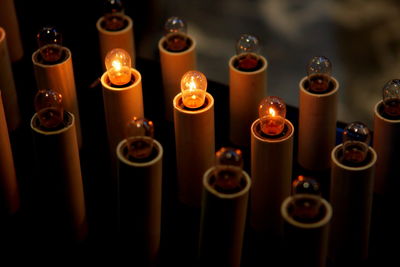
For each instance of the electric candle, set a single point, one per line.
(319, 71)
(139, 137)
(247, 51)
(193, 87)
(50, 45)
(114, 15)
(49, 108)
(272, 112)
(391, 99)
(175, 34)
(356, 138)
(118, 65)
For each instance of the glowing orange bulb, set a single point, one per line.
(193, 86)
(272, 112)
(49, 108)
(118, 65)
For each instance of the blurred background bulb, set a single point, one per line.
(175, 32)
(193, 87)
(139, 137)
(247, 51)
(50, 44)
(272, 113)
(391, 98)
(305, 185)
(118, 65)
(319, 70)
(306, 208)
(356, 138)
(114, 15)
(228, 170)
(49, 108)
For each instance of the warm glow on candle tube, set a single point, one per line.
(272, 112)
(118, 65)
(193, 86)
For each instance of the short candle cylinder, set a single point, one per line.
(245, 91)
(140, 188)
(222, 225)
(123, 38)
(306, 242)
(60, 77)
(195, 147)
(351, 193)
(59, 198)
(386, 144)
(271, 171)
(317, 126)
(173, 66)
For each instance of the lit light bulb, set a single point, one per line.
(50, 44)
(247, 50)
(228, 170)
(118, 65)
(306, 208)
(175, 33)
(319, 70)
(356, 138)
(139, 137)
(114, 15)
(49, 108)
(193, 86)
(305, 185)
(272, 113)
(391, 98)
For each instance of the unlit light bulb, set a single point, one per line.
(356, 138)
(193, 87)
(49, 108)
(175, 32)
(319, 70)
(247, 50)
(228, 170)
(118, 65)
(114, 15)
(139, 137)
(305, 185)
(272, 113)
(391, 98)
(50, 44)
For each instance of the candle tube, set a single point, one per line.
(271, 166)
(223, 218)
(58, 189)
(140, 187)
(9, 21)
(52, 64)
(247, 85)
(307, 220)
(9, 200)
(317, 116)
(115, 30)
(194, 136)
(7, 85)
(351, 192)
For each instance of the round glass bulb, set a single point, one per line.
(228, 169)
(118, 65)
(306, 209)
(319, 70)
(50, 44)
(193, 87)
(113, 15)
(49, 108)
(356, 138)
(175, 32)
(272, 113)
(247, 50)
(139, 137)
(391, 98)
(305, 185)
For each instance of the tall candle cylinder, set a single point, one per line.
(60, 77)
(7, 85)
(195, 147)
(9, 192)
(9, 21)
